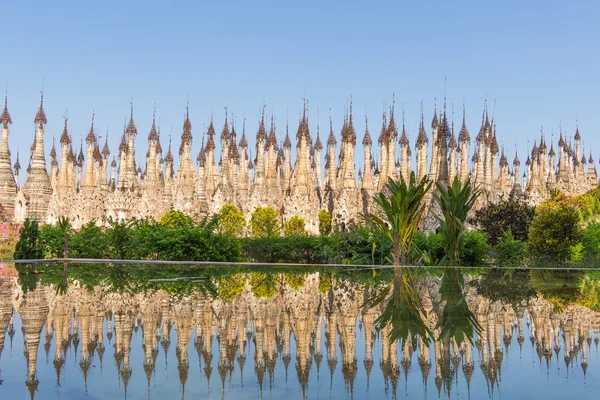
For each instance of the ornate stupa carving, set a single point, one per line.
(92, 187)
(8, 184)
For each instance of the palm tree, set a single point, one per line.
(455, 202)
(457, 320)
(401, 205)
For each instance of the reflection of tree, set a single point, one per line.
(403, 309)
(559, 287)
(507, 286)
(456, 321)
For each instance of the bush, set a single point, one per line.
(232, 221)
(175, 219)
(474, 249)
(287, 249)
(264, 222)
(586, 203)
(554, 229)
(324, 222)
(295, 226)
(510, 252)
(591, 241)
(27, 247)
(497, 218)
(89, 242)
(51, 241)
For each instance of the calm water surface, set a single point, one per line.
(106, 332)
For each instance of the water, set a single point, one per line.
(149, 331)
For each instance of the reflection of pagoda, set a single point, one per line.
(6, 310)
(33, 312)
(288, 325)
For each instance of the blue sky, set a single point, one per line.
(537, 60)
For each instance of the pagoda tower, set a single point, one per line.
(38, 189)
(367, 178)
(8, 184)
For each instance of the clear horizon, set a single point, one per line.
(535, 62)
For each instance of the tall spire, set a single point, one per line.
(422, 138)
(40, 116)
(153, 135)
(367, 141)
(403, 136)
(131, 128)
(91, 136)
(5, 117)
(463, 136)
(64, 138)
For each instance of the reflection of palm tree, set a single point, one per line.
(457, 321)
(403, 309)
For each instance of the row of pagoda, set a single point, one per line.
(91, 185)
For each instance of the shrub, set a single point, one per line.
(324, 222)
(510, 252)
(295, 226)
(175, 219)
(586, 205)
(554, 229)
(496, 218)
(591, 241)
(474, 248)
(232, 221)
(264, 222)
(89, 242)
(51, 241)
(27, 247)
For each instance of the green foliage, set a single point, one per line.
(264, 285)
(402, 309)
(287, 249)
(89, 242)
(175, 219)
(232, 221)
(229, 288)
(264, 222)
(325, 220)
(559, 287)
(51, 241)
(27, 247)
(506, 285)
(497, 218)
(431, 246)
(295, 226)
(554, 229)
(295, 281)
(325, 283)
(591, 241)
(457, 321)
(455, 202)
(510, 252)
(401, 206)
(474, 249)
(586, 203)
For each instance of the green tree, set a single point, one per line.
(401, 206)
(175, 219)
(455, 202)
(591, 242)
(89, 242)
(264, 222)
(324, 222)
(554, 229)
(295, 226)
(499, 217)
(27, 247)
(510, 252)
(232, 221)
